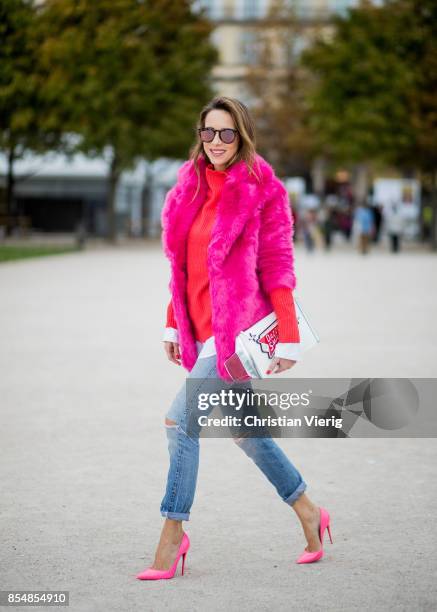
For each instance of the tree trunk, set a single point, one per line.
(360, 182)
(146, 202)
(434, 211)
(318, 175)
(10, 185)
(114, 175)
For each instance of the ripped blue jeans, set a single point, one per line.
(184, 451)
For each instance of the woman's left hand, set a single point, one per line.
(279, 364)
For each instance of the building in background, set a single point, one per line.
(54, 193)
(236, 40)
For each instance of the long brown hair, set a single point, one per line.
(246, 129)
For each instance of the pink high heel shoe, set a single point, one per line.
(154, 574)
(310, 557)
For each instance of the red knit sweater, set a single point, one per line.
(198, 294)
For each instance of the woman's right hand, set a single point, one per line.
(173, 352)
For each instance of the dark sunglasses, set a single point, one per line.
(227, 135)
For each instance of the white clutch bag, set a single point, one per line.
(255, 347)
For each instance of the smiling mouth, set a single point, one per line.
(218, 152)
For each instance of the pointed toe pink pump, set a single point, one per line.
(310, 557)
(154, 574)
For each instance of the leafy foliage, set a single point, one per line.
(131, 75)
(373, 93)
(23, 108)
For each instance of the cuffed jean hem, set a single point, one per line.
(297, 493)
(176, 516)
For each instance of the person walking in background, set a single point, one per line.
(394, 225)
(377, 216)
(344, 219)
(365, 226)
(308, 219)
(227, 231)
(326, 220)
(427, 217)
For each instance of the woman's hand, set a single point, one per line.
(173, 352)
(279, 364)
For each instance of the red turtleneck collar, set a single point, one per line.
(215, 178)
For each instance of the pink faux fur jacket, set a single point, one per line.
(250, 252)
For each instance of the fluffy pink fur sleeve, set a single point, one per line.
(275, 249)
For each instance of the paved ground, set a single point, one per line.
(84, 388)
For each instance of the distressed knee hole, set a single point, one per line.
(170, 423)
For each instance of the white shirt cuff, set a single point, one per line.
(171, 334)
(288, 350)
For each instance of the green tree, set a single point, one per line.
(418, 48)
(127, 76)
(24, 121)
(357, 98)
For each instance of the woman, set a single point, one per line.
(227, 231)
